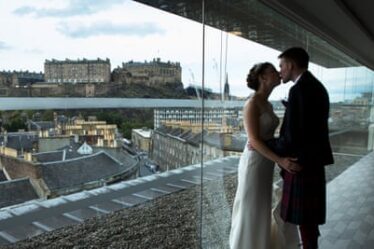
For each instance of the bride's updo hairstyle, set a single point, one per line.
(256, 71)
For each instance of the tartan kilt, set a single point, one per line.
(304, 196)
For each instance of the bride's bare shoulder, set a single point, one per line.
(252, 102)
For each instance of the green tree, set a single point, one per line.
(15, 122)
(47, 115)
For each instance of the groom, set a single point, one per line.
(304, 135)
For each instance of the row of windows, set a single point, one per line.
(198, 111)
(76, 80)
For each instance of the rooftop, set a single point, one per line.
(146, 133)
(231, 142)
(52, 156)
(155, 61)
(43, 125)
(19, 140)
(78, 61)
(16, 191)
(77, 171)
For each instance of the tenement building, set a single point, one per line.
(77, 71)
(175, 147)
(150, 73)
(141, 139)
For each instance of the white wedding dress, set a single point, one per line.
(251, 215)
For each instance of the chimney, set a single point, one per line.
(76, 138)
(227, 139)
(5, 138)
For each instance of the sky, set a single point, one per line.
(123, 30)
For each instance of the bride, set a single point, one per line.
(251, 215)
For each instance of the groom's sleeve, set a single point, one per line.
(276, 145)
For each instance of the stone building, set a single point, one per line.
(20, 78)
(149, 73)
(212, 116)
(96, 133)
(77, 71)
(18, 144)
(174, 147)
(141, 139)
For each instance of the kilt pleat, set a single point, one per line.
(304, 196)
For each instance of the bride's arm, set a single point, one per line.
(251, 115)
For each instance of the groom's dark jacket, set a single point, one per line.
(304, 135)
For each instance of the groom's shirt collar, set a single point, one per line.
(298, 77)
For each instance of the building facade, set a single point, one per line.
(77, 71)
(20, 78)
(175, 147)
(18, 144)
(149, 73)
(96, 133)
(231, 118)
(141, 139)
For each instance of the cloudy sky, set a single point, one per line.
(123, 30)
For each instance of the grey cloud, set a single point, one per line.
(107, 28)
(74, 8)
(24, 10)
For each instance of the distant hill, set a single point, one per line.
(165, 90)
(113, 89)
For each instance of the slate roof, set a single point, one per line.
(77, 171)
(2, 176)
(214, 139)
(16, 191)
(43, 125)
(72, 147)
(119, 154)
(20, 141)
(53, 156)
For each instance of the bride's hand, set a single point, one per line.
(290, 165)
(249, 146)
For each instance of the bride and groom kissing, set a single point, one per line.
(301, 151)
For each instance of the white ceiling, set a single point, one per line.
(346, 24)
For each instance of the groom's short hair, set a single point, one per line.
(298, 55)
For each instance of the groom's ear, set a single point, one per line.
(292, 65)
